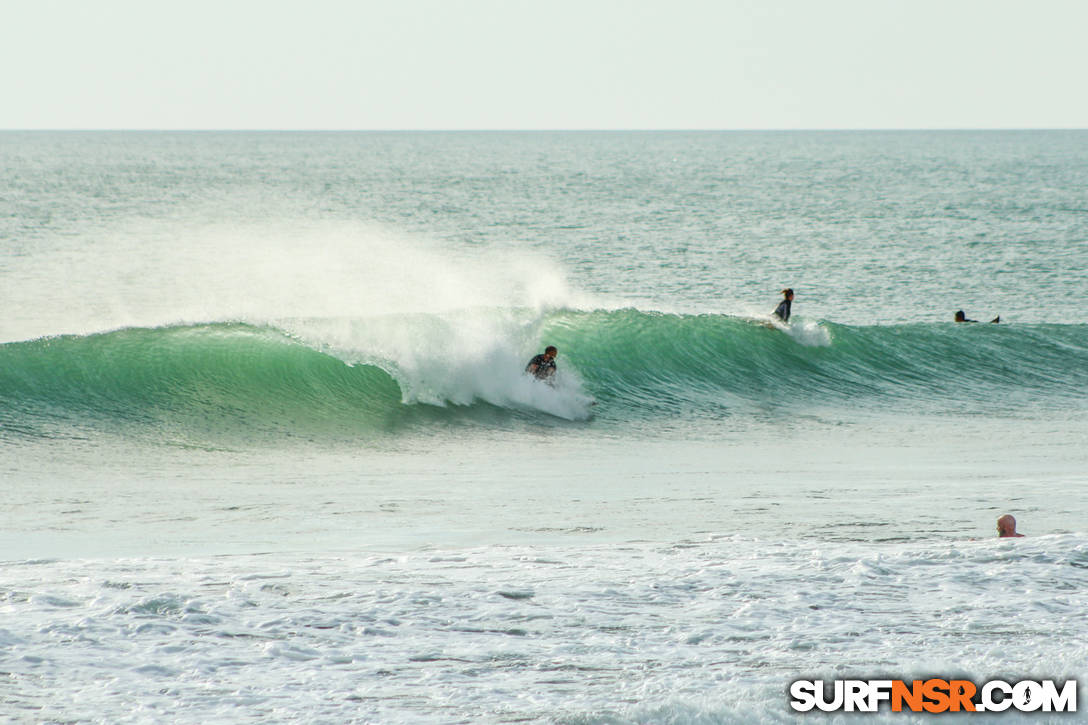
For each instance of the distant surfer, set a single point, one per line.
(542, 366)
(782, 312)
(961, 317)
(1006, 528)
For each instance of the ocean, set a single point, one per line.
(268, 453)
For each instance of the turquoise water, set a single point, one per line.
(266, 389)
(641, 368)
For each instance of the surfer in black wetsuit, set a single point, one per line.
(961, 317)
(542, 367)
(782, 312)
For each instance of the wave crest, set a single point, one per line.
(358, 375)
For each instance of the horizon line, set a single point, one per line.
(542, 130)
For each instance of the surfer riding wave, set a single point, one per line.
(542, 366)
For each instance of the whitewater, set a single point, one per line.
(268, 452)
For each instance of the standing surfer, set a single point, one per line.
(542, 366)
(782, 312)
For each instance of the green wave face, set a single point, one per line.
(191, 382)
(228, 381)
(692, 363)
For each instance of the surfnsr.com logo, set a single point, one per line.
(933, 695)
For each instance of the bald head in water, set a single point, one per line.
(1006, 527)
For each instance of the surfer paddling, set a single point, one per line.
(782, 312)
(962, 317)
(542, 366)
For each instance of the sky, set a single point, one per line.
(560, 64)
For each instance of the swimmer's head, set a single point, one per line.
(960, 316)
(550, 351)
(1006, 526)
